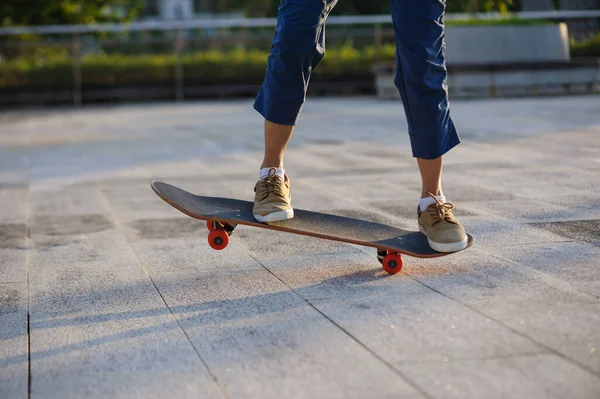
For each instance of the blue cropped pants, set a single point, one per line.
(299, 46)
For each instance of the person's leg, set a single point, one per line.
(431, 176)
(421, 80)
(276, 139)
(298, 47)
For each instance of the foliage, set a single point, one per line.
(474, 6)
(586, 48)
(204, 67)
(44, 12)
(268, 8)
(210, 67)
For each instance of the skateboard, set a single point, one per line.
(222, 215)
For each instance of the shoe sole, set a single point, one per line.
(445, 246)
(275, 216)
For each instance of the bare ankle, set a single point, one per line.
(266, 164)
(437, 192)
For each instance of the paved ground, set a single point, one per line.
(105, 291)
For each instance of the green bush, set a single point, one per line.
(54, 70)
(212, 67)
(117, 69)
(586, 48)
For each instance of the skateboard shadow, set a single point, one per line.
(210, 315)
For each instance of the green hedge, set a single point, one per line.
(586, 48)
(203, 67)
(210, 67)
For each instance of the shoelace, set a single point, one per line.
(268, 184)
(441, 211)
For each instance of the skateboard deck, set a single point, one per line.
(224, 214)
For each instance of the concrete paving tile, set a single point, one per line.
(13, 236)
(494, 231)
(585, 205)
(264, 243)
(115, 384)
(135, 200)
(262, 340)
(62, 225)
(580, 230)
(14, 200)
(12, 158)
(13, 265)
(347, 275)
(65, 239)
(192, 257)
(571, 262)
(476, 277)
(407, 328)
(13, 233)
(65, 201)
(540, 191)
(94, 311)
(538, 376)
(522, 210)
(391, 185)
(458, 193)
(11, 179)
(374, 153)
(569, 329)
(542, 307)
(13, 340)
(166, 228)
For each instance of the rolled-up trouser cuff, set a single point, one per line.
(428, 146)
(274, 111)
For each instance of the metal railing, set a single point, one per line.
(174, 32)
(271, 22)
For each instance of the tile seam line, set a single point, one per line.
(541, 345)
(407, 380)
(27, 271)
(479, 359)
(548, 280)
(547, 348)
(117, 222)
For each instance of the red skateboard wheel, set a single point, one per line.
(392, 263)
(218, 239)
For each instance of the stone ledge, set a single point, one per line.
(579, 76)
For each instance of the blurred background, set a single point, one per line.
(90, 51)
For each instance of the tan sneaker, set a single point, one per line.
(272, 198)
(443, 231)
